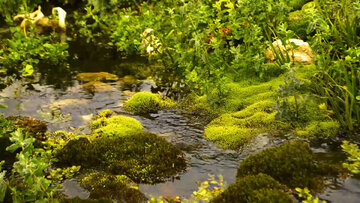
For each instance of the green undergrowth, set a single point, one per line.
(115, 187)
(146, 102)
(254, 188)
(143, 157)
(291, 163)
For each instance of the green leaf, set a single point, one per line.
(28, 70)
(2, 106)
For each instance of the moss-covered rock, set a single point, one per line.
(128, 81)
(146, 102)
(115, 187)
(291, 164)
(143, 157)
(97, 86)
(231, 131)
(37, 128)
(254, 189)
(100, 76)
(115, 126)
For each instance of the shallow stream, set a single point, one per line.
(56, 97)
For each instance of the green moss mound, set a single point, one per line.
(146, 102)
(143, 157)
(232, 131)
(254, 189)
(291, 164)
(115, 126)
(115, 187)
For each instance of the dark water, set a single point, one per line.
(56, 97)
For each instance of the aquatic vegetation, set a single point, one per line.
(308, 198)
(291, 164)
(353, 160)
(143, 157)
(146, 102)
(100, 76)
(115, 126)
(254, 188)
(115, 187)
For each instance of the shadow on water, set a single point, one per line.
(59, 99)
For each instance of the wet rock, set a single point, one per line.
(303, 54)
(69, 102)
(255, 189)
(99, 76)
(146, 102)
(97, 86)
(116, 187)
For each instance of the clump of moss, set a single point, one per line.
(232, 131)
(291, 164)
(319, 129)
(143, 157)
(128, 81)
(146, 102)
(115, 126)
(254, 189)
(37, 128)
(115, 187)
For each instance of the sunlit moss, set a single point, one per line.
(116, 187)
(319, 129)
(255, 189)
(99, 76)
(115, 126)
(232, 131)
(143, 157)
(291, 164)
(146, 102)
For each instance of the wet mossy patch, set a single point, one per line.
(116, 187)
(231, 131)
(146, 102)
(319, 130)
(254, 189)
(143, 157)
(106, 125)
(291, 163)
(99, 76)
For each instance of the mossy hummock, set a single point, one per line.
(291, 163)
(99, 76)
(254, 189)
(143, 157)
(115, 126)
(146, 102)
(115, 187)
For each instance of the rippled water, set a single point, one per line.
(57, 98)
